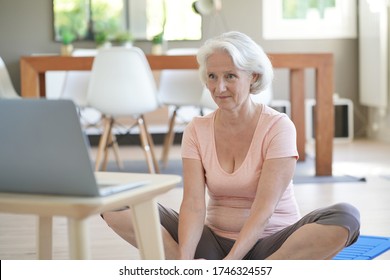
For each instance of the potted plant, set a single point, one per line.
(124, 39)
(101, 39)
(67, 38)
(157, 44)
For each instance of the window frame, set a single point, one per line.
(275, 27)
(134, 20)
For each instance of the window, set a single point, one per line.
(144, 19)
(309, 19)
(85, 18)
(175, 18)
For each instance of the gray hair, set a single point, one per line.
(246, 54)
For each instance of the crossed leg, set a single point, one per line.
(306, 240)
(312, 242)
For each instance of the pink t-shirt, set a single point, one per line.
(231, 194)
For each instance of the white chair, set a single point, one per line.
(122, 85)
(180, 88)
(75, 87)
(7, 89)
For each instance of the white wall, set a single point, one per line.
(374, 50)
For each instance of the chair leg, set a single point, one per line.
(103, 142)
(105, 157)
(114, 144)
(147, 146)
(107, 148)
(115, 148)
(168, 140)
(151, 144)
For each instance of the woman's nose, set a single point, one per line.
(221, 86)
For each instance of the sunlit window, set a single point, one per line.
(85, 18)
(309, 19)
(143, 19)
(175, 18)
(303, 9)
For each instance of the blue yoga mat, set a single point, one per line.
(365, 248)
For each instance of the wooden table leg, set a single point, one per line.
(148, 230)
(29, 80)
(324, 120)
(45, 238)
(78, 239)
(297, 91)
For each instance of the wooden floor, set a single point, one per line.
(361, 158)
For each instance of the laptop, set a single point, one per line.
(43, 150)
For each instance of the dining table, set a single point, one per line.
(33, 69)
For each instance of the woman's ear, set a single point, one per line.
(255, 77)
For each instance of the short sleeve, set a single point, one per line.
(281, 139)
(190, 143)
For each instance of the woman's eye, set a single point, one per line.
(211, 76)
(230, 76)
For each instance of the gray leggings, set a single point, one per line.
(214, 247)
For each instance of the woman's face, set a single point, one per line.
(228, 85)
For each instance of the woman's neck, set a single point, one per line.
(240, 117)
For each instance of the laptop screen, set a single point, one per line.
(43, 149)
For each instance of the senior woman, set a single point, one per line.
(244, 156)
